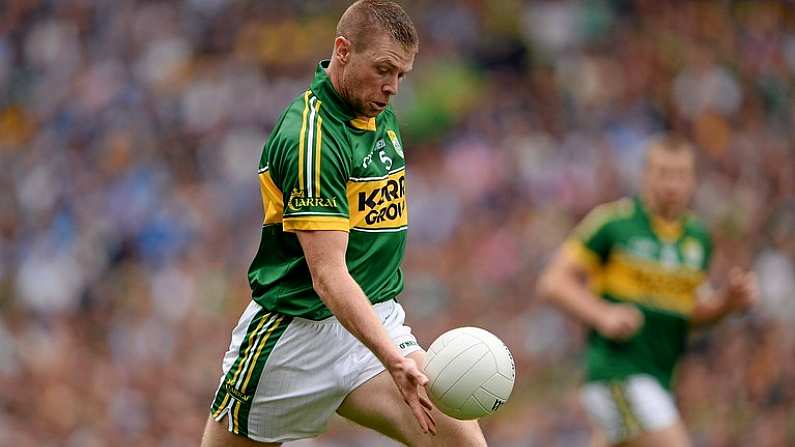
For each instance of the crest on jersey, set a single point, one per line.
(668, 257)
(693, 253)
(395, 142)
(642, 247)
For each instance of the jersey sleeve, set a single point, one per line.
(311, 171)
(708, 255)
(705, 238)
(590, 241)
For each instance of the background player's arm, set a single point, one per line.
(740, 293)
(563, 283)
(325, 255)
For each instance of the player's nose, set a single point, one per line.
(391, 88)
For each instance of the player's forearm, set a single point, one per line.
(572, 298)
(346, 300)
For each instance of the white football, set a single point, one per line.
(470, 373)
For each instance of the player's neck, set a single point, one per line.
(333, 73)
(335, 76)
(666, 214)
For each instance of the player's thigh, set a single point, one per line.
(377, 404)
(217, 435)
(672, 436)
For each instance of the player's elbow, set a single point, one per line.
(325, 279)
(554, 283)
(323, 283)
(545, 286)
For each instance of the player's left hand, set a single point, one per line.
(410, 380)
(742, 291)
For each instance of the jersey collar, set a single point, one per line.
(666, 231)
(333, 102)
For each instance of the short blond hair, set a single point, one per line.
(669, 143)
(366, 17)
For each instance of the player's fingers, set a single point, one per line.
(419, 413)
(622, 332)
(426, 403)
(635, 320)
(619, 336)
(412, 397)
(626, 326)
(417, 377)
(427, 406)
(633, 313)
(735, 276)
(427, 411)
(631, 326)
(431, 422)
(748, 282)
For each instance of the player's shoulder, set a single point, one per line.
(614, 211)
(605, 216)
(293, 120)
(306, 121)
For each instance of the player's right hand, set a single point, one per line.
(409, 380)
(619, 321)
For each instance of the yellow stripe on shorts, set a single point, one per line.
(240, 364)
(628, 418)
(260, 343)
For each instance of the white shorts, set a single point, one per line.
(624, 409)
(283, 377)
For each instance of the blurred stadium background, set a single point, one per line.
(129, 138)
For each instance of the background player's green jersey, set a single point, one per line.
(634, 257)
(324, 169)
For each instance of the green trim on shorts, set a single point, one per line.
(241, 409)
(223, 395)
(630, 424)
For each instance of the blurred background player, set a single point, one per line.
(323, 333)
(635, 272)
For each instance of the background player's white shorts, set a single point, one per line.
(284, 377)
(626, 408)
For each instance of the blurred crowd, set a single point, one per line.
(129, 207)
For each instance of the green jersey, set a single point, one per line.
(636, 258)
(324, 169)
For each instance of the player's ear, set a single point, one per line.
(342, 49)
